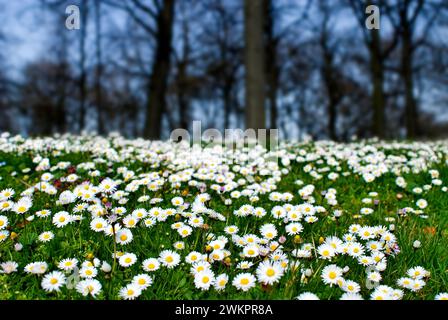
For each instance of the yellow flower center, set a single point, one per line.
(270, 272)
(244, 281)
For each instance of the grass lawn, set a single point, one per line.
(326, 219)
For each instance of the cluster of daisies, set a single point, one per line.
(260, 239)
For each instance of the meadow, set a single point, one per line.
(87, 217)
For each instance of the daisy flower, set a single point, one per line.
(67, 264)
(326, 251)
(221, 282)
(22, 206)
(6, 205)
(351, 296)
(244, 281)
(350, 286)
(4, 234)
(251, 251)
(199, 266)
(123, 236)
(89, 287)
(61, 219)
(331, 274)
(244, 265)
(269, 273)
(130, 292)
(169, 258)
(204, 279)
(127, 260)
(36, 267)
(88, 272)
(43, 213)
(8, 267)
(151, 264)
(417, 273)
(293, 228)
(6, 194)
(185, 231)
(98, 224)
(46, 236)
(142, 280)
(3, 222)
(441, 296)
(108, 186)
(53, 281)
(307, 296)
(268, 231)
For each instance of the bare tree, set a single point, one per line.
(156, 18)
(99, 69)
(254, 62)
(378, 54)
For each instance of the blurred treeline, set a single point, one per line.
(146, 67)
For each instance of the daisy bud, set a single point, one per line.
(392, 227)
(96, 262)
(308, 272)
(346, 269)
(30, 218)
(282, 239)
(13, 235)
(321, 240)
(417, 244)
(297, 239)
(18, 246)
(90, 256)
(105, 267)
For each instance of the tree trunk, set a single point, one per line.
(160, 70)
(254, 63)
(377, 74)
(83, 74)
(272, 72)
(331, 86)
(99, 69)
(407, 76)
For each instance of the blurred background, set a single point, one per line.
(146, 67)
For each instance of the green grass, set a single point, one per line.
(77, 240)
